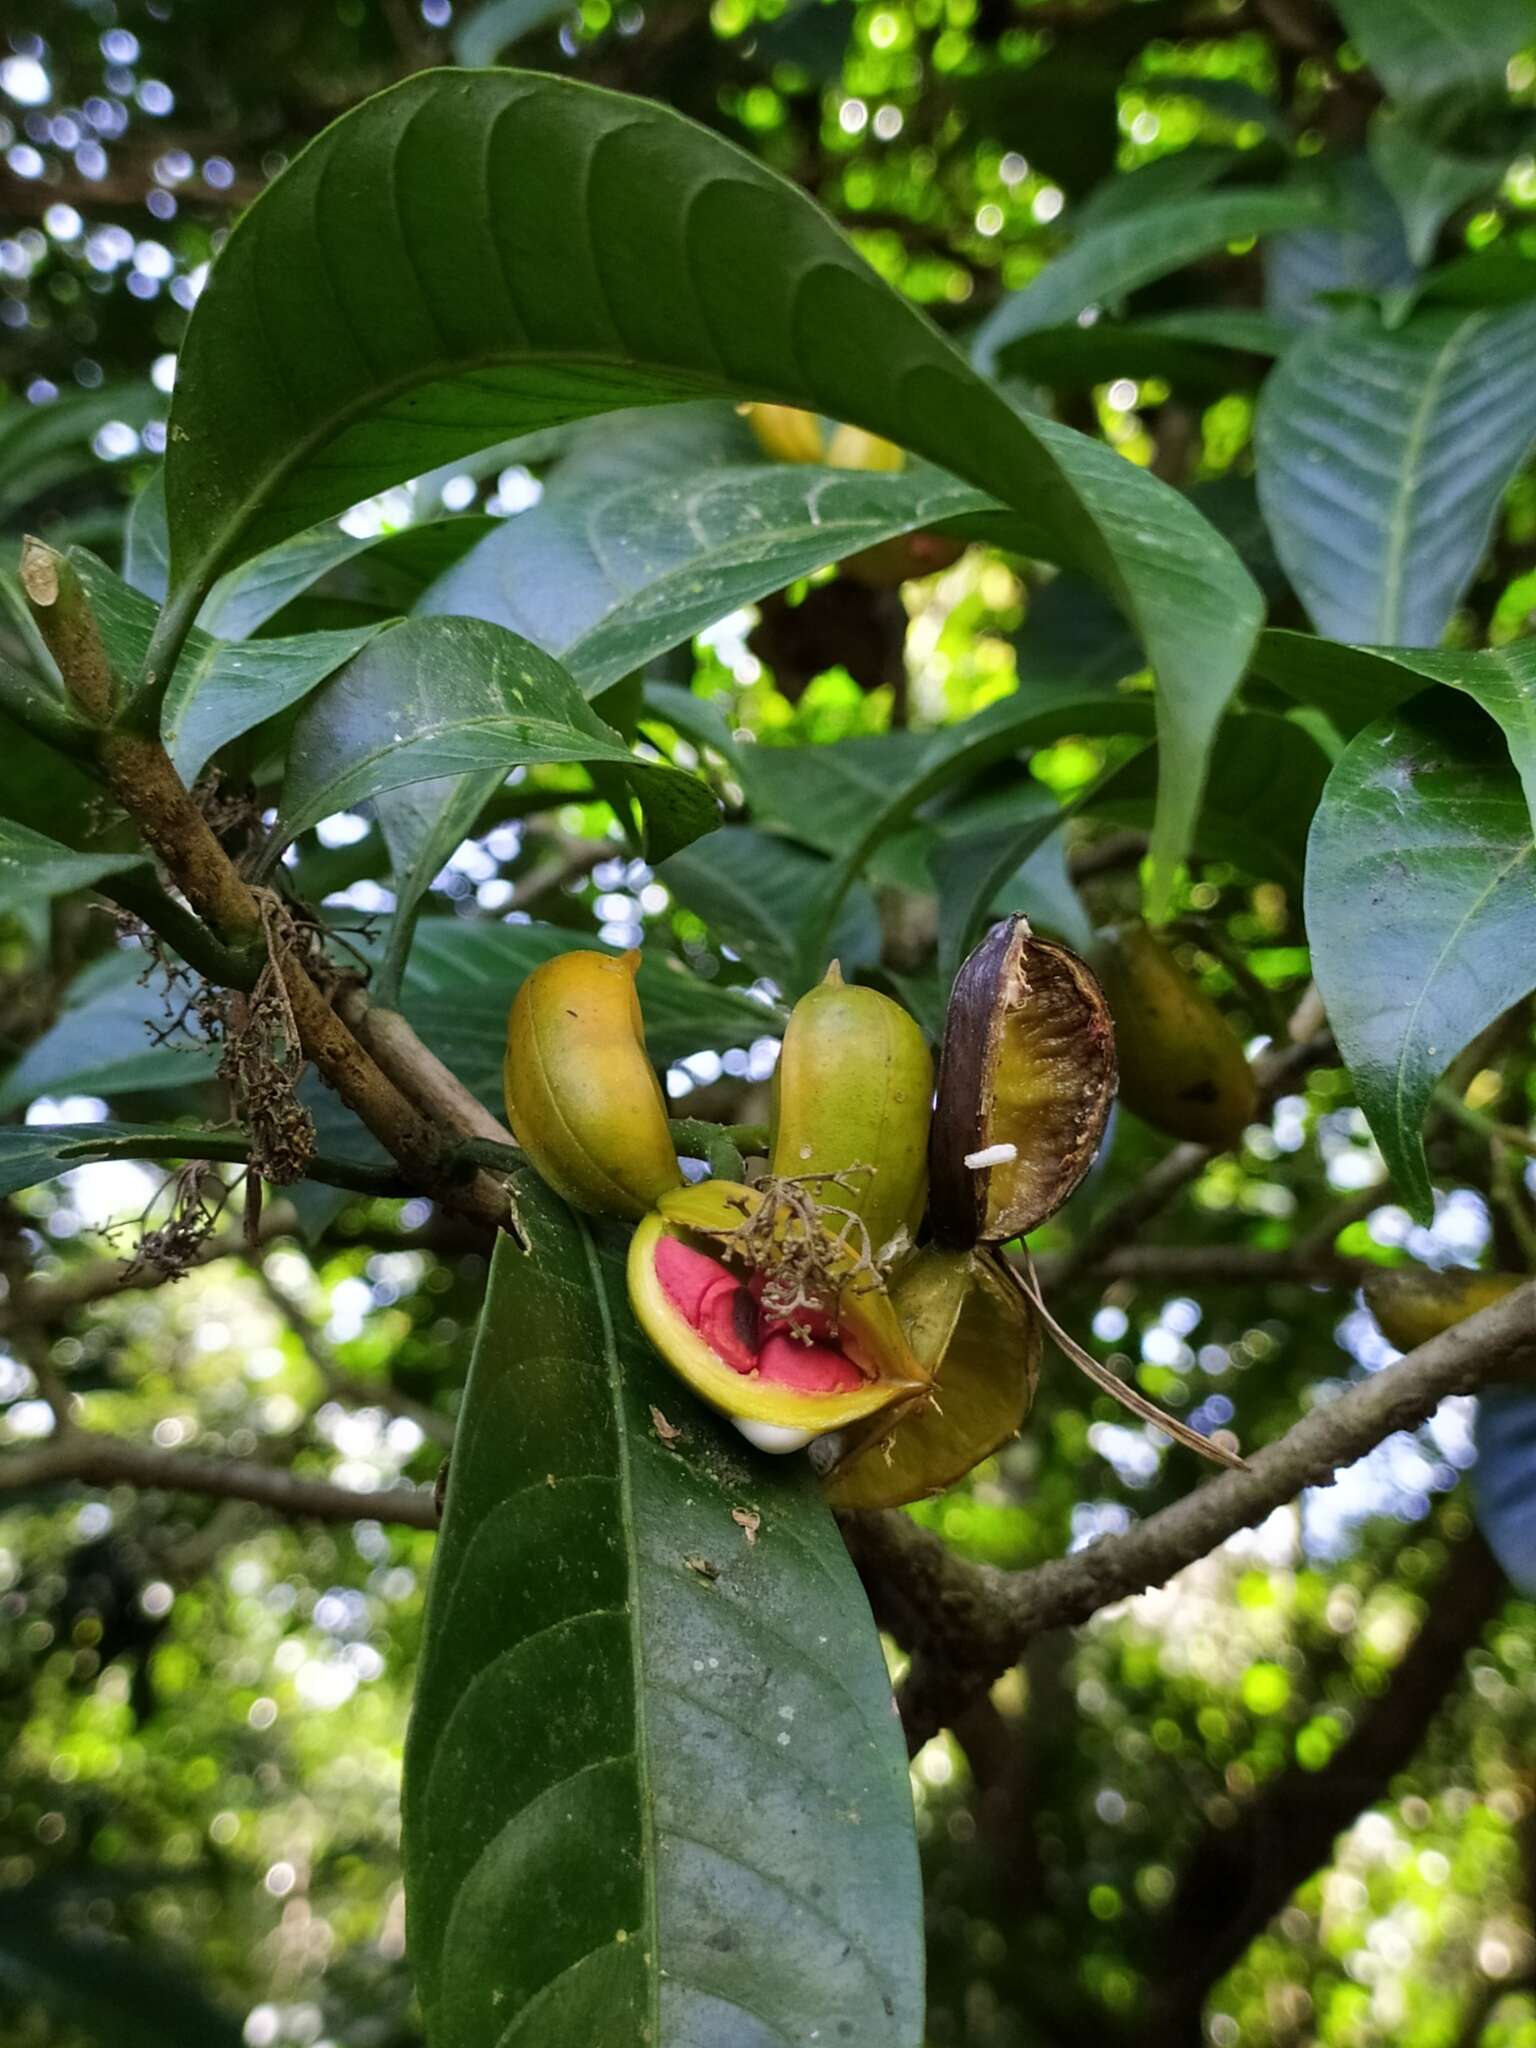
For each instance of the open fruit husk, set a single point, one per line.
(766, 1311)
(976, 1338)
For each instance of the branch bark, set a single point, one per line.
(98, 1460)
(973, 1621)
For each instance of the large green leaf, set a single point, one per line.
(654, 1787)
(1382, 458)
(1428, 182)
(1421, 911)
(113, 1037)
(463, 975)
(610, 569)
(472, 254)
(1115, 258)
(43, 447)
(751, 889)
(1367, 253)
(30, 1153)
(219, 688)
(1354, 684)
(1267, 778)
(33, 869)
(1034, 715)
(444, 697)
(1443, 58)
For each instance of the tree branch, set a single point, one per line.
(975, 1619)
(98, 1460)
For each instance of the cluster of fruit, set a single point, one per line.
(852, 1290)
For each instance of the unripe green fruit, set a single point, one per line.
(852, 1096)
(1413, 1304)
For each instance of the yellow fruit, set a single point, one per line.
(1413, 1304)
(852, 1097)
(786, 433)
(1026, 1078)
(1182, 1066)
(980, 1344)
(701, 1274)
(582, 1099)
(853, 448)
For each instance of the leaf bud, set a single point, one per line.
(1026, 1079)
(582, 1098)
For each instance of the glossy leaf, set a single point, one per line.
(445, 697)
(1366, 254)
(43, 447)
(1428, 183)
(1382, 458)
(1113, 259)
(615, 248)
(654, 1787)
(1442, 57)
(31, 1153)
(750, 888)
(1354, 684)
(1267, 778)
(32, 868)
(1420, 911)
(103, 1041)
(612, 568)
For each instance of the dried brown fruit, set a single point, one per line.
(1026, 1079)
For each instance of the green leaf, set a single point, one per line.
(463, 975)
(971, 871)
(1443, 58)
(955, 755)
(441, 697)
(31, 1153)
(1382, 458)
(751, 889)
(120, 1993)
(45, 447)
(102, 1041)
(487, 34)
(1193, 353)
(1267, 778)
(1427, 182)
(1112, 260)
(654, 1787)
(32, 868)
(1367, 253)
(220, 688)
(421, 824)
(1420, 911)
(1353, 684)
(614, 250)
(608, 570)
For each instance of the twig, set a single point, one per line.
(99, 1460)
(977, 1619)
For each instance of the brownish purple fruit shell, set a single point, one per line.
(1028, 1061)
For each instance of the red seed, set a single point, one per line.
(711, 1300)
(807, 1368)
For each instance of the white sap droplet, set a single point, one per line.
(773, 1436)
(992, 1155)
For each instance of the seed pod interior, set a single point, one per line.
(697, 1272)
(1028, 1063)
